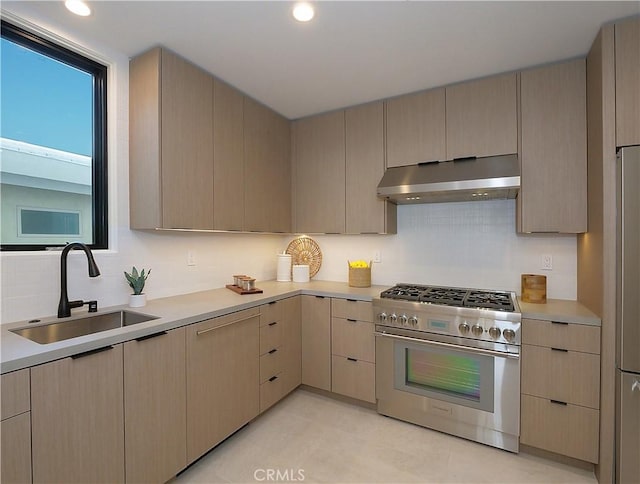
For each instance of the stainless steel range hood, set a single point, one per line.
(469, 179)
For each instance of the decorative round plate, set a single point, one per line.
(305, 250)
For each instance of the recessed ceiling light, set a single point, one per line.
(78, 7)
(303, 12)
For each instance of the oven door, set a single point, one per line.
(469, 392)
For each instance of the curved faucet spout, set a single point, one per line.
(65, 306)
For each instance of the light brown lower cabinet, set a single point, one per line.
(223, 378)
(155, 407)
(16, 449)
(353, 378)
(280, 350)
(77, 418)
(560, 427)
(560, 388)
(316, 342)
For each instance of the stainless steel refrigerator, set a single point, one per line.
(628, 318)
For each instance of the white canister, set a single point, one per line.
(284, 268)
(301, 273)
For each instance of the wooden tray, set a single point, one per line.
(239, 290)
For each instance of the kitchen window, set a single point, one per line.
(53, 144)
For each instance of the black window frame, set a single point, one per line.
(99, 173)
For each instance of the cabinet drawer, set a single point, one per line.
(567, 376)
(271, 363)
(16, 448)
(350, 309)
(350, 338)
(355, 379)
(270, 312)
(271, 391)
(568, 336)
(271, 336)
(564, 429)
(15, 393)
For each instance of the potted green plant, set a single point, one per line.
(137, 281)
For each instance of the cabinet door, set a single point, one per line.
(223, 378)
(186, 144)
(155, 407)
(267, 152)
(627, 38)
(14, 393)
(416, 128)
(16, 449)
(365, 212)
(319, 167)
(292, 364)
(482, 117)
(228, 157)
(316, 342)
(77, 419)
(553, 193)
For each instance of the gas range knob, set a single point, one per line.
(494, 332)
(464, 328)
(393, 318)
(403, 320)
(509, 335)
(413, 321)
(382, 317)
(477, 330)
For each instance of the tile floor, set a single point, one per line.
(312, 438)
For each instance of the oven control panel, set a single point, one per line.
(480, 328)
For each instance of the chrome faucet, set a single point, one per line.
(65, 306)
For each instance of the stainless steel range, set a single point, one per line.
(448, 358)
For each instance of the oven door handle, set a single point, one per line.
(449, 345)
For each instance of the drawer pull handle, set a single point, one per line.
(91, 352)
(560, 349)
(149, 336)
(560, 322)
(273, 302)
(352, 320)
(320, 297)
(558, 402)
(273, 351)
(203, 331)
(273, 324)
(351, 359)
(352, 300)
(273, 378)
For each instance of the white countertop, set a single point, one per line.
(17, 352)
(561, 310)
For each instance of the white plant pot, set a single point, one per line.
(137, 300)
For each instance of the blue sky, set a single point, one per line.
(43, 101)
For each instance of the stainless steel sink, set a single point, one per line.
(59, 331)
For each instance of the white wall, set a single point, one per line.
(461, 244)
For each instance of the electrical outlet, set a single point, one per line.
(547, 262)
(191, 258)
(377, 257)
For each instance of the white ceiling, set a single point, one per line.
(352, 52)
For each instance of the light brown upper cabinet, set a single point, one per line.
(170, 146)
(627, 41)
(365, 212)
(416, 128)
(482, 117)
(319, 173)
(553, 193)
(267, 162)
(228, 157)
